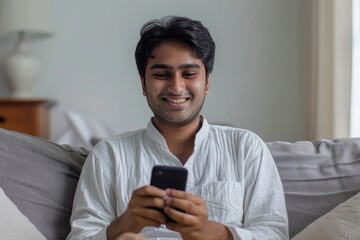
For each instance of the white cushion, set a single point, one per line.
(13, 224)
(342, 222)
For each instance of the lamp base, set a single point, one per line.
(20, 69)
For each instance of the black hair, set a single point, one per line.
(175, 29)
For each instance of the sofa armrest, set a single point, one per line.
(40, 177)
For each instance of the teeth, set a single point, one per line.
(176, 101)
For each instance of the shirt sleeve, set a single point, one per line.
(265, 215)
(94, 204)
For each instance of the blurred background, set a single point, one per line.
(275, 70)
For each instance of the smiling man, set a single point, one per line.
(233, 189)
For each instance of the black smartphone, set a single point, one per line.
(169, 177)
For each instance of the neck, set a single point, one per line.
(180, 140)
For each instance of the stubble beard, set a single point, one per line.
(161, 118)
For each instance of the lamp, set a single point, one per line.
(24, 19)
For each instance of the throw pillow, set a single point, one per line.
(13, 224)
(317, 176)
(342, 222)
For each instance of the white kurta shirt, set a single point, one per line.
(231, 169)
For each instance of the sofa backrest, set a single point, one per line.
(316, 176)
(40, 177)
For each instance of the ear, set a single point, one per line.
(143, 86)
(207, 85)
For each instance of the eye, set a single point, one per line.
(189, 74)
(161, 75)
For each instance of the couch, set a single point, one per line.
(39, 177)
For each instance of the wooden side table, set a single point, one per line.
(29, 116)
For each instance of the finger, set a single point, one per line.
(184, 195)
(151, 215)
(180, 217)
(186, 206)
(148, 196)
(182, 211)
(150, 191)
(192, 214)
(149, 202)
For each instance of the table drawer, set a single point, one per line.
(18, 120)
(26, 116)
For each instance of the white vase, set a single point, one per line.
(20, 71)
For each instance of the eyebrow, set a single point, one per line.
(165, 66)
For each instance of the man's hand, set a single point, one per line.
(140, 212)
(193, 222)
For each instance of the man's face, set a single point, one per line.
(175, 84)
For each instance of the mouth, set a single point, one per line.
(176, 100)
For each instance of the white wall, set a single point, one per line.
(89, 66)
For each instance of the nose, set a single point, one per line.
(176, 84)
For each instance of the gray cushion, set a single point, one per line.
(317, 176)
(40, 177)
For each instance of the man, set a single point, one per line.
(233, 189)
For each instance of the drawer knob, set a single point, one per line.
(2, 119)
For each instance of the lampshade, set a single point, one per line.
(32, 17)
(25, 19)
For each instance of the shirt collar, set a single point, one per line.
(156, 136)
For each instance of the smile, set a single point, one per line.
(176, 101)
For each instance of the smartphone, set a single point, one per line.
(169, 177)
